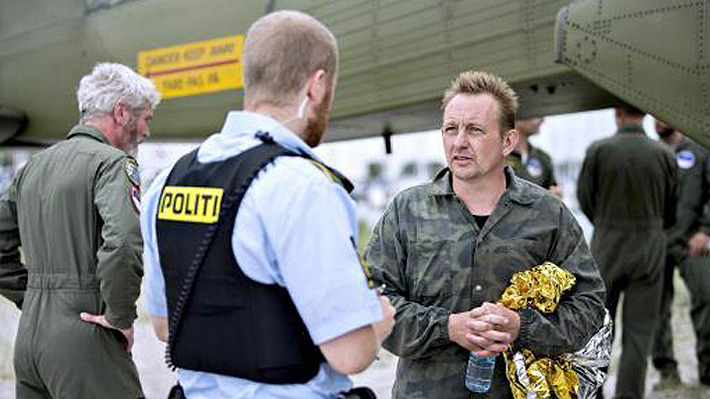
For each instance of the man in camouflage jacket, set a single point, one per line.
(446, 250)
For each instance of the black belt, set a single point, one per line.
(358, 393)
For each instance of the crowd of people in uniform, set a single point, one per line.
(248, 244)
(649, 204)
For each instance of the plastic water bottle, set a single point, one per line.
(479, 373)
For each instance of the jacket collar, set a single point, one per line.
(515, 190)
(631, 129)
(240, 123)
(90, 131)
(685, 142)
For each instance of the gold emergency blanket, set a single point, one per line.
(540, 287)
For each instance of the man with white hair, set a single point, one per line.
(73, 208)
(265, 295)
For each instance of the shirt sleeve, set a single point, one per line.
(119, 258)
(550, 179)
(13, 274)
(419, 330)
(585, 186)
(308, 227)
(672, 192)
(580, 312)
(689, 205)
(553, 178)
(155, 299)
(705, 212)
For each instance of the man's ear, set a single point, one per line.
(121, 114)
(317, 86)
(510, 140)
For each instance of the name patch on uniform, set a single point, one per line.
(130, 166)
(190, 204)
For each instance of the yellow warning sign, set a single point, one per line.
(190, 204)
(195, 68)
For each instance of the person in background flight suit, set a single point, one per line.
(280, 305)
(530, 162)
(627, 188)
(687, 247)
(73, 208)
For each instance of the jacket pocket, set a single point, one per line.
(429, 271)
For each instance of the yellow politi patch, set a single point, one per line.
(190, 204)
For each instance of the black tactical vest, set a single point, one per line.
(227, 323)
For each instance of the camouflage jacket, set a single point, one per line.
(435, 261)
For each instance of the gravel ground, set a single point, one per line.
(156, 379)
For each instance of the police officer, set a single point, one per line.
(530, 162)
(73, 208)
(627, 189)
(688, 247)
(253, 277)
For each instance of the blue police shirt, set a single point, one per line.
(293, 228)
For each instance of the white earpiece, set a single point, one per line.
(302, 108)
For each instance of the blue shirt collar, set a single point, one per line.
(255, 122)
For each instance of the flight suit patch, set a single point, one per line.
(130, 166)
(685, 159)
(534, 167)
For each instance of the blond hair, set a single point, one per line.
(479, 82)
(281, 51)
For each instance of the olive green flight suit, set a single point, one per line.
(72, 210)
(536, 167)
(628, 190)
(692, 216)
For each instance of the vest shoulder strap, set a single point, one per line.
(331, 173)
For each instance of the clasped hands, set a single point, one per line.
(487, 330)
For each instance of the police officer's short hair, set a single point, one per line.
(110, 83)
(281, 51)
(479, 82)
